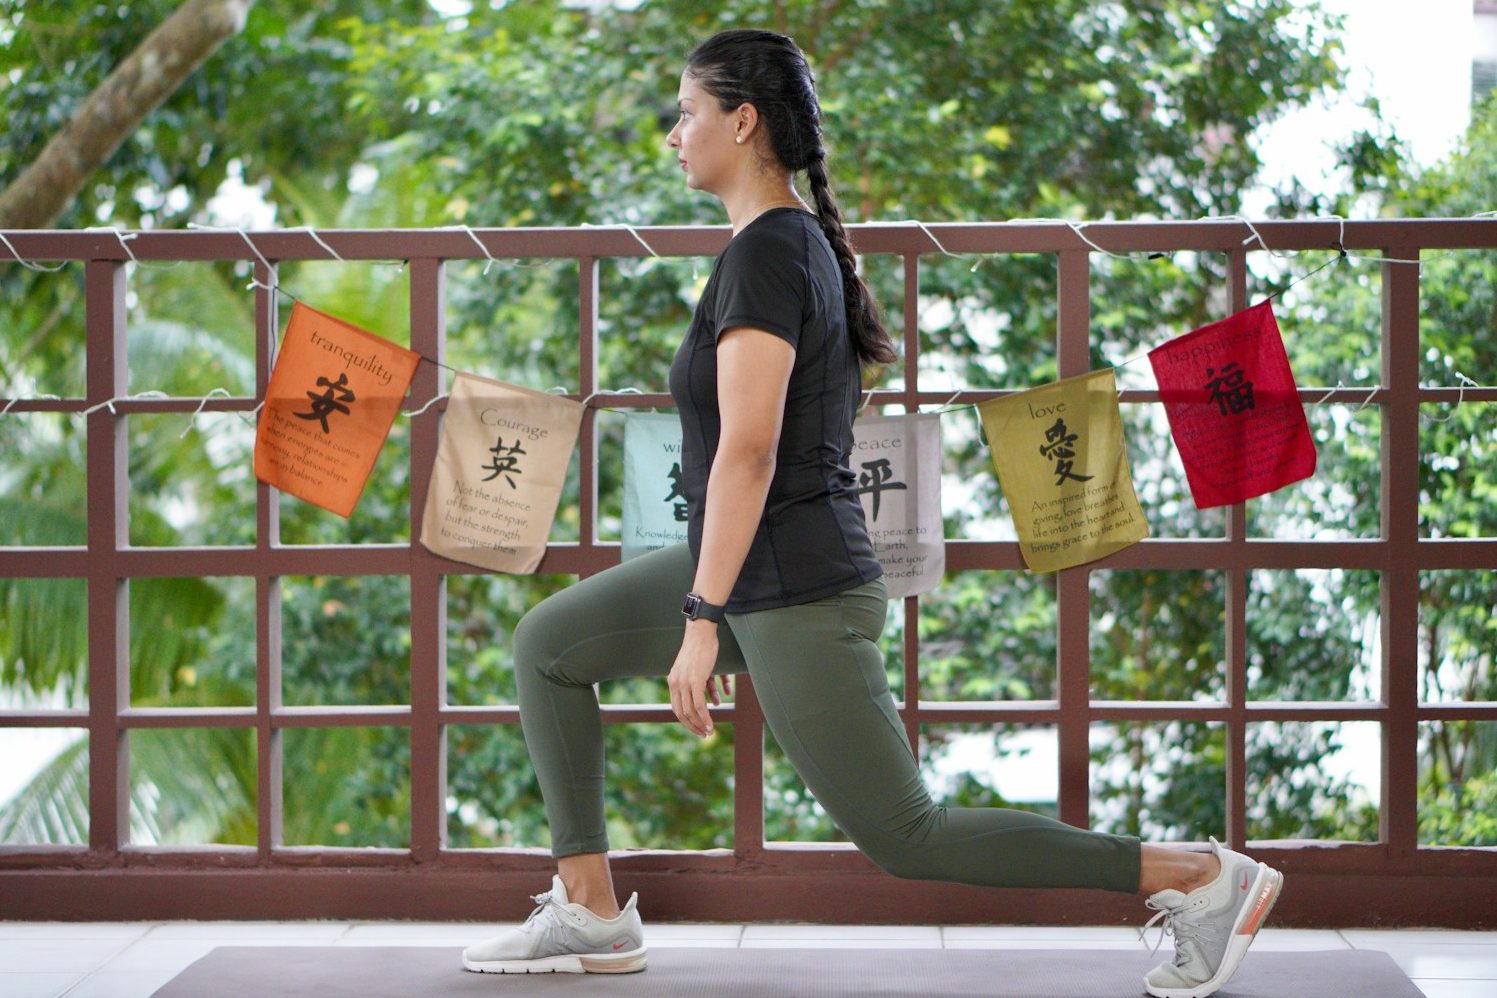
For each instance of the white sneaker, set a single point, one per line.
(561, 936)
(1212, 925)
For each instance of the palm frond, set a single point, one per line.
(314, 205)
(212, 296)
(43, 622)
(192, 786)
(173, 618)
(53, 808)
(188, 358)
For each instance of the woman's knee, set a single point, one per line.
(900, 848)
(897, 859)
(898, 855)
(534, 645)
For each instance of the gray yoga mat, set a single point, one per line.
(412, 972)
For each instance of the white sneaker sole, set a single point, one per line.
(628, 962)
(1249, 920)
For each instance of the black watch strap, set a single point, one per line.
(696, 608)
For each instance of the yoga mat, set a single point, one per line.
(415, 972)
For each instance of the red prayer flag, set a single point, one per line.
(1234, 409)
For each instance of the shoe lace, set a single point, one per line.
(1178, 923)
(543, 914)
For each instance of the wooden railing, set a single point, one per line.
(1393, 880)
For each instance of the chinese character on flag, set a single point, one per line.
(654, 513)
(332, 396)
(1058, 450)
(1233, 408)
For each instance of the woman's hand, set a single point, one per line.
(690, 678)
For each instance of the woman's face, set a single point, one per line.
(703, 137)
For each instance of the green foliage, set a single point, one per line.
(212, 800)
(1458, 783)
(1291, 796)
(493, 796)
(1159, 781)
(1461, 814)
(1332, 327)
(791, 814)
(348, 787)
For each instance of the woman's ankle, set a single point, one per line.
(589, 883)
(604, 905)
(1209, 869)
(1166, 868)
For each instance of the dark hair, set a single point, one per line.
(769, 71)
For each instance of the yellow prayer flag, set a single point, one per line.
(1058, 451)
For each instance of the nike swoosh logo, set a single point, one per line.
(620, 945)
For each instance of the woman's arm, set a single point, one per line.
(753, 374)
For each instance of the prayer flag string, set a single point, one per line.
(1089, 529)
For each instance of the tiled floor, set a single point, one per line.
(133, 959)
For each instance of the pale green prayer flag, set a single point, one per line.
(654, 508)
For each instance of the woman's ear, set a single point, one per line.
(748, 117)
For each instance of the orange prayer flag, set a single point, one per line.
(333, 394)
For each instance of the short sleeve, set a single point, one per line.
(762, 284)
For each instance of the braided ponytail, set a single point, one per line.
(864, 325)
(769, 70)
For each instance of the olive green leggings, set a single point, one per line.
(819, 675)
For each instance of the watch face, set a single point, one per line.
(691, 604)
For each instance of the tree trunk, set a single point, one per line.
(150, 74)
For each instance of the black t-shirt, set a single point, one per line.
(780, 275)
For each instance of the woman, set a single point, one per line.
(778, 578)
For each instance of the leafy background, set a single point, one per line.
(387, 114)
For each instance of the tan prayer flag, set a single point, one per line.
(897, 461)
(501, 464)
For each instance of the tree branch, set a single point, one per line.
(150, 75)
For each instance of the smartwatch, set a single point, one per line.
(696, 608)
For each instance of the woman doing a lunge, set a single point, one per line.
(778, 578)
